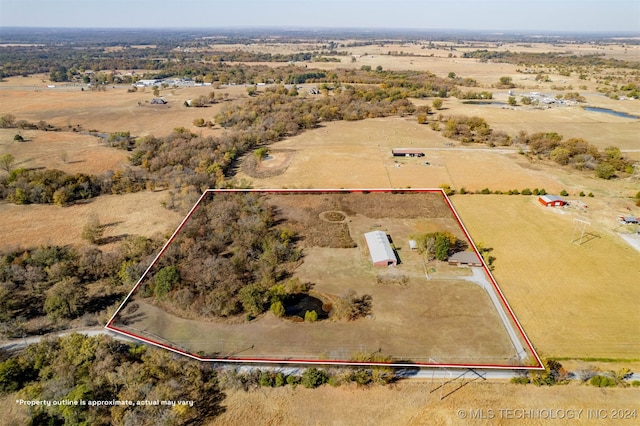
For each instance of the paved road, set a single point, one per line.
(16, 344)
(443, 375)
(479, 277)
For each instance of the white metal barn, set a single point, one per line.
(380, 249)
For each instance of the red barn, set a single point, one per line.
(551, 201)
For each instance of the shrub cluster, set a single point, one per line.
(50, 186)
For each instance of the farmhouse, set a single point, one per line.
(407, 152)
(380, 249)
(465, 258)
(551, 200)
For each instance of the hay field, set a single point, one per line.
(130, 214)
(110, 111)
(67, 151)
(572, 300)
(358, 154)
(413, 403)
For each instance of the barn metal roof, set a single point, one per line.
(551, 198)
(379, 247)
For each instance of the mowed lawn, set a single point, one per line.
(572, 300)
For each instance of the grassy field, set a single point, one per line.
(418, 402)
(573, 300)
(66, 151)
(113, 110)
(320, 157)
(130, 214)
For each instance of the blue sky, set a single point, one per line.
(500, 15)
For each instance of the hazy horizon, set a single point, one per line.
(543, 16)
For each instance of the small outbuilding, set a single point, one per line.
(407, 152)
(551, 201)
(413, 245)
(465, 258)
(380, 249)
(628, 220)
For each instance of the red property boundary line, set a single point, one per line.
(110, 326)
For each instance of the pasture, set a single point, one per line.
(417, 402)
(573, 300)
(26, 226)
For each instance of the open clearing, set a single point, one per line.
(113, 110)
(67, 151)
(442, 319)
(358, 154)
(413, 403)
(29, 226)
(573, 300)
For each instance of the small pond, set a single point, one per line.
(297, 305)
(611, 112)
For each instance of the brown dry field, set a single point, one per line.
(67, 151)
(358, 155)
(573, 300)
(417, 402)
(113, 110)
(445, 318)
(130, 214)
(411, 403)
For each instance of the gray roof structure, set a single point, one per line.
(465, 257)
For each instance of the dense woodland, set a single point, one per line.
(45, 288)
(87, 370)
(230, 258)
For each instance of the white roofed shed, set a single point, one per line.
(380, 249)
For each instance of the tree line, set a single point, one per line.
(562, 59)
(575, 152)
(65, 283)
(50, 186)
(121, 376)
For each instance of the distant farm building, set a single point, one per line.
(465, 258)
(380, 249)
(148, 83)
(628, 220)
(407, 152)
(551, 201)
